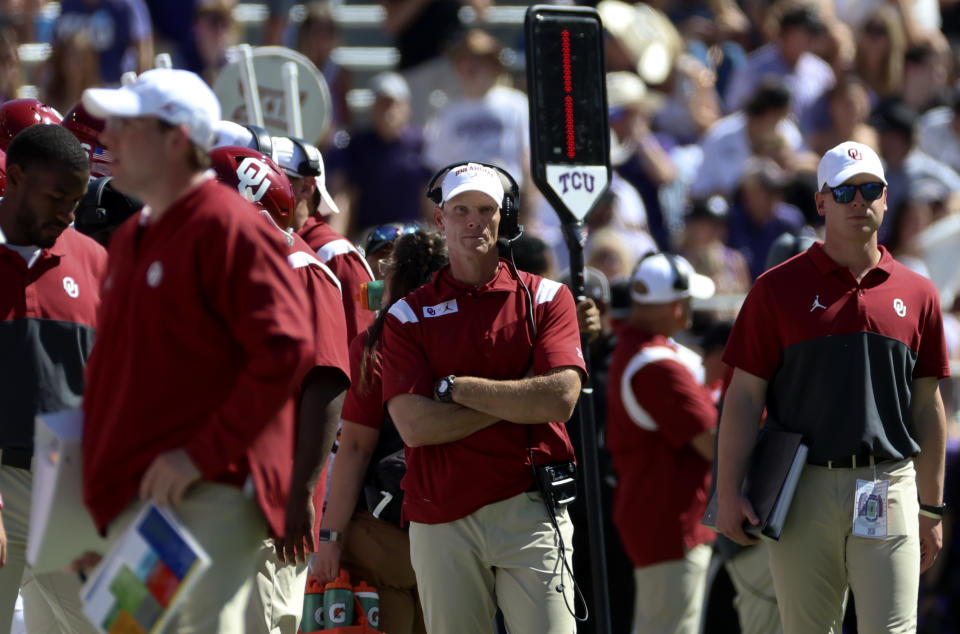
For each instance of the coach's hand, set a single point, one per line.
(931, 541)
(732, 512)
(298, 540)
(168, 477)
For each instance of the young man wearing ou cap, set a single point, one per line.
(846, 346)
(204, 334)
(303, 164)
(661, 423)
(476, 391)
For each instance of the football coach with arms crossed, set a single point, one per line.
(481, 367)
(844, 345)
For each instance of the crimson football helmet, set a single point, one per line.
(258, 179)
(17, 114)
(3, 172)
(87, 129)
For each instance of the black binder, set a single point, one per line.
(770, 482)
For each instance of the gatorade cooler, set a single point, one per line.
(311, 622)
(369, 604)
(338, 602)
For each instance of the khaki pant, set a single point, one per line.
(276, 600)
(51, 601)
(756, 601)
(817, 556)
(669, 596)
(505, 554)
(378, 552)
(231, 528)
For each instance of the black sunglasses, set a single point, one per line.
(846, 193)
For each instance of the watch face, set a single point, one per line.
(444, 386)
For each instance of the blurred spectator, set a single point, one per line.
(213, 32)
(692, 104)
(423, 30)
(73, 66)
(913, 216)
(317, 37)
(881, 48)
(905, 162)
(759, 214)
(609, 253)
(20, 16)
(849, 110)
(711, 30)
(173, 32)
(530, 254)
(703, 246)
(926, 72)
(379, 176)
(490, 121)
(731, 141)
(11, 75)
(837, 46)
(274, 30)
(637, 153)
(119, 31)
(789, 57)
(917, 16)
(621, 210)
(938, 133)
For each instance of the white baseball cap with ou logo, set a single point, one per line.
(847, 160)
(472, 177)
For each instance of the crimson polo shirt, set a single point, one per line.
(840, 356)
(347, 264)
(446, 327)
(204, 333)
(47, 330)
(656, 405)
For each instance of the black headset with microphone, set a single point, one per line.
(261, 138)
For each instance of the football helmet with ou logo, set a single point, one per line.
(257, 178)
(87, 129)
(17, 114)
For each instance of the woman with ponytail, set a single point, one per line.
(374, 547)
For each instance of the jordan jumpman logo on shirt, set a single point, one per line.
(817, 304)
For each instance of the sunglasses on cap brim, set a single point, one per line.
(385, 234)
(846, 193)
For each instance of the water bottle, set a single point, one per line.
(369, 603)
(311, 620)
(338, 602)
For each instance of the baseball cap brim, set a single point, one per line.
(112, 102)
(849, 172)
(701, 286)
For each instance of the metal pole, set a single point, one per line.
(291, 95)
(589, 464)
(248, 79)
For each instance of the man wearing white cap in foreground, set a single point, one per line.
(303, 164)
(661, 424)
(481, 368)
(204, 334)
(844, 345)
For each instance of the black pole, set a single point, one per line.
(574, 236)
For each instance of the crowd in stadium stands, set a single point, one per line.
(719, 114)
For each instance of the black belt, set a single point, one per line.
(854, 461)
(16, 457)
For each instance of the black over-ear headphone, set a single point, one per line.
(510, 227)
(311, 166)
(264, 144)
(681, 281)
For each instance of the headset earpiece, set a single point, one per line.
(311, 166)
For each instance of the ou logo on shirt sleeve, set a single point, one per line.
(253, 182)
